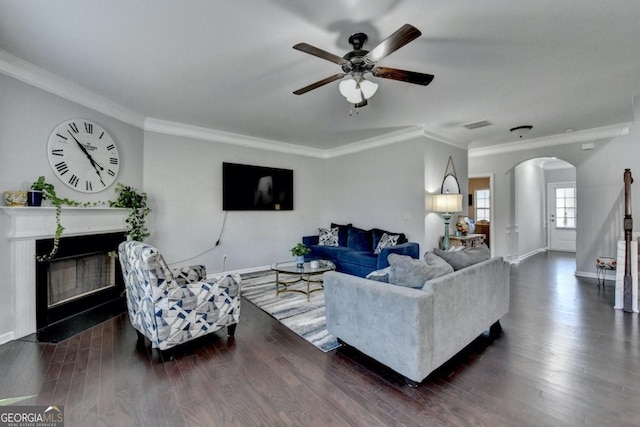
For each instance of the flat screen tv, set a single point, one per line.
(249, 188)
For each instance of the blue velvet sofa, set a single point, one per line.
(354, 252)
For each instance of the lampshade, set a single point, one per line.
(368, 88)
(447, 203)
(357, 90)
(348, 88)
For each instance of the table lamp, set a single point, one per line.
(447, 204)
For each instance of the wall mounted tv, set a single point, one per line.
(249, 188)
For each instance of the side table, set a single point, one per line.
(604, 264)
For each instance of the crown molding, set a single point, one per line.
(445, 140)
(376, 141)
(586, 135)
(206, 134)
(35, 76)
(26, 72)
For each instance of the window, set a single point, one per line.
(566, 204)
(483, 205)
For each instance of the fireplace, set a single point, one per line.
(26, 226)
(83, 275)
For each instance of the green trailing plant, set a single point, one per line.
(128, 197)
(49, 193)
(300, 250)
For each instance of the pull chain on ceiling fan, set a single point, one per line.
(357, 90)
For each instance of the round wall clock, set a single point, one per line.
(83, 155)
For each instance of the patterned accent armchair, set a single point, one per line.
(171, 307)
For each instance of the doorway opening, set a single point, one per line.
(546, 211)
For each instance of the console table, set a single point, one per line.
(468, 241)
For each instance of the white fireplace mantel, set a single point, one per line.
(29, 224)
(40, 222)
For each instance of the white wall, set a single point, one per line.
(183, 177)
(599, 187)
(389, 187)
(530, 207)
(27, 117)
(567, 174)
(382, 187)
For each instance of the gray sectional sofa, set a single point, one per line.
(415, 330)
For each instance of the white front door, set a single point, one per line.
(562, 202)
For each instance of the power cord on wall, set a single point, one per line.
(217, 243)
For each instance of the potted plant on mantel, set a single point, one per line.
(128, 197)
(299, 251)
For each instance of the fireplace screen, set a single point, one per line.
(74, 277)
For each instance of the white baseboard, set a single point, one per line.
(527, 255)
(242, 271)
(587, 274)
(611, 277)
(5, 338)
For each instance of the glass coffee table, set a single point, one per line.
(308, 273)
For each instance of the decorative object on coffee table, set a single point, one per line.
(299, 251)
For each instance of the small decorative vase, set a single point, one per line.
(300, 260)
(34, 198)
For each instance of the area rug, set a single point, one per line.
(305, 318)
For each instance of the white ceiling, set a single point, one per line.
(229, 65)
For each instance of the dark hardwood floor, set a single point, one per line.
(565, 358)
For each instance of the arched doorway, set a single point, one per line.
(545, 206)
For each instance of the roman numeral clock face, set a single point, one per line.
(83, 155)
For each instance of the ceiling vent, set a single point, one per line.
(476, 125)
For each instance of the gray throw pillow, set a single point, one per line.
(410, 272)
(465, 258)
(437, 264)
(380, 275)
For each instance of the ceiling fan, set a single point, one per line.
(359, 62)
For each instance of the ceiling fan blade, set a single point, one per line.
(315, 51)
(402, 75)
(319, 83)
(395, 41)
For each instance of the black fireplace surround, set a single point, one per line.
(108, 299)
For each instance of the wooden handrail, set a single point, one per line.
(628, 228)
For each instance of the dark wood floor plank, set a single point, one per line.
(565, 358)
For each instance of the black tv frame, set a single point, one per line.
(256, 188)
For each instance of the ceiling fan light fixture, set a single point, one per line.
(348, 87)
(521, 131)
(351, 90)
(355, 98)
(368, 88)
